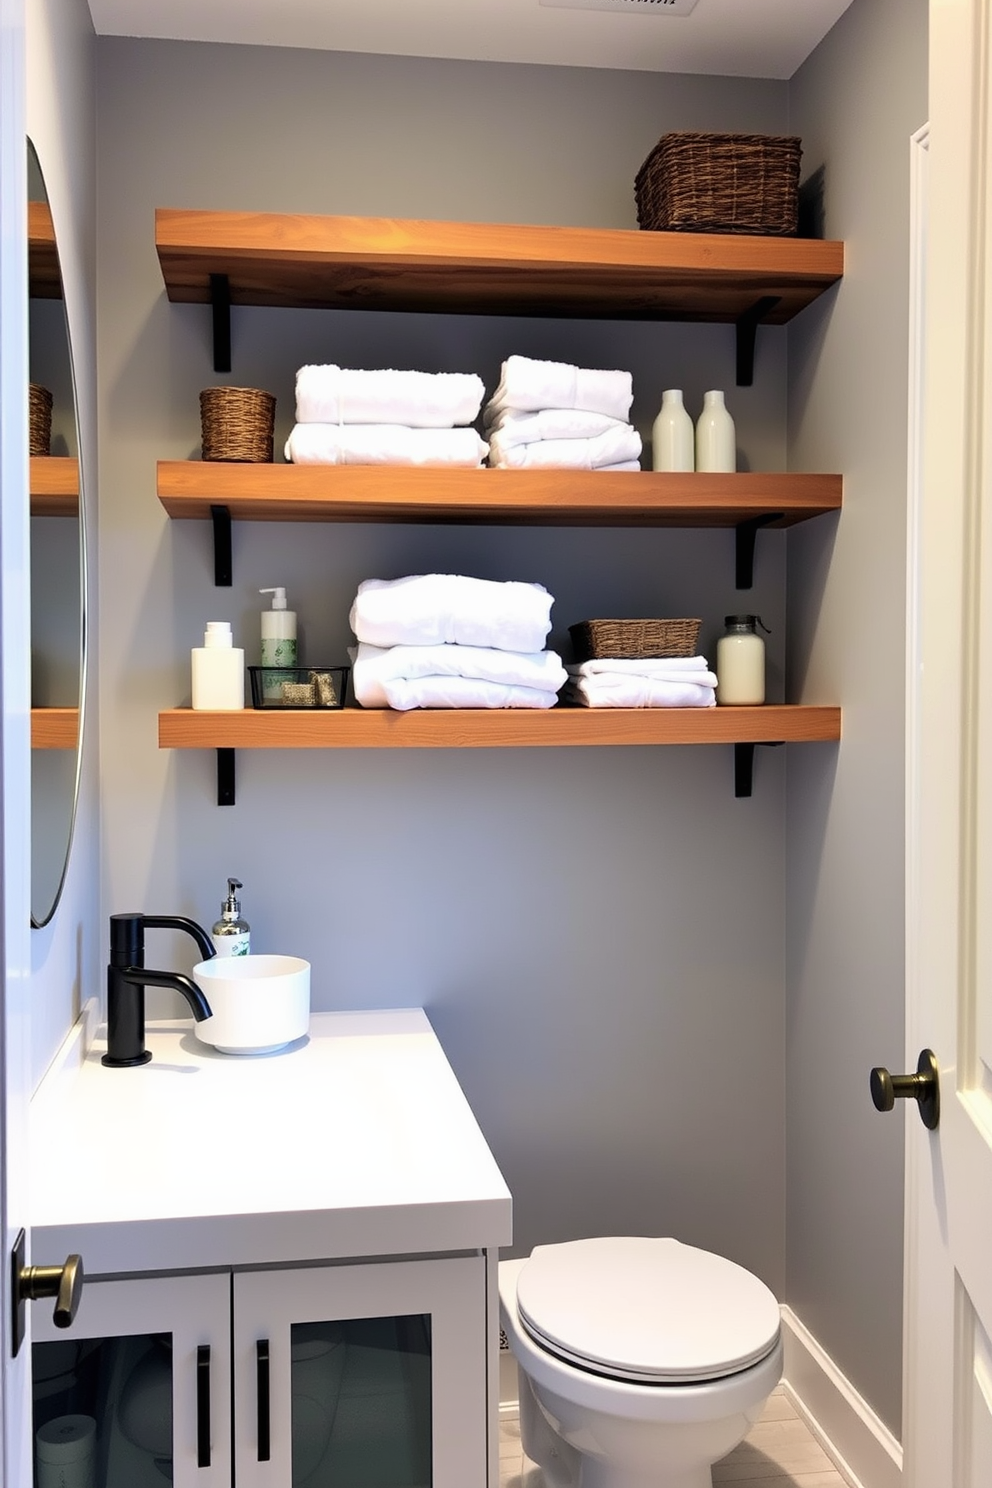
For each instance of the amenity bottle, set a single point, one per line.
(231, 934)
(672, 435)
(740, 662)
(218, 670)
(716, 438)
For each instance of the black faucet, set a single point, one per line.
(127, 979)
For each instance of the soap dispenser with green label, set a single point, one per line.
(231, 934)
(278, 632)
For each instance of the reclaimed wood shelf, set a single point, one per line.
(487, 728)
(54, 728)
(54, 486)
(44, 275)
(595, 498)
(386, 263)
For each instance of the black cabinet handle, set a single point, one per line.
(262, 1367)
(203, 1405)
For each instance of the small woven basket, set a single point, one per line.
(597, 640)
(721, 183)
(40, 420)
(237, 424)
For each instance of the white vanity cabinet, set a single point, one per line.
(300, 1295)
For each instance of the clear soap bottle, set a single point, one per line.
(716, 437)
(740, 662)
(231, 934)
(672, 439)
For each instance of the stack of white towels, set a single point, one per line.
(384, 417)
(662, 682)
(551, 414)
(447, 641)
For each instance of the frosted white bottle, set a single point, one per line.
(740, 663)
(278, 632)
(672, 441)
(716, 438)
(218, 670)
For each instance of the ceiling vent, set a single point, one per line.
(644, 7)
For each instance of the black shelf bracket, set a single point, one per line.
(220, 300)
(746, 530)
(225, 777)
(744, 765)
(223, 564)
(747, 325)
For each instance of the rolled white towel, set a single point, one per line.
(548, 423)
(528, 385)
(693, 669)
(464, 692)
(618, 445)
(422, 400)
(383, 444)
(623, 690)
(436, 609)
(375, 668)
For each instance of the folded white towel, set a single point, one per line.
(662, 668)
(621, 690)
(435, 609)
(624, 465)
(463, 692)
(618, 445)
(421, 400)
(375, 669)
(528, 386)
(383, 444)
(548, 423)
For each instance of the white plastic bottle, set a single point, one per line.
(278, 632)
(740, 662)
(716, 437)
(231, 934)
(218, 670)
(672, 442)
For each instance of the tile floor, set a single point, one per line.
(779, 1452)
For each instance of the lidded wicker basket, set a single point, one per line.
(721, 183)
(237, 424)
(598, 640)
(40, 420)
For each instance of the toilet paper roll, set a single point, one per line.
(65, 1452)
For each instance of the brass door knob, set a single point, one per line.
(923, 1087)
(33, 1283)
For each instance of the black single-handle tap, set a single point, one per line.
(127, 979)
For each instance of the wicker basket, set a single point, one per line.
(596, 640)
(237, 424)
(40, 416)
(721, 183)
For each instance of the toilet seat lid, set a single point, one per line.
(647, 1310)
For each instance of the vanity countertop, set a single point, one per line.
(355, 1142)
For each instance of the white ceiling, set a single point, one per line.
(736, 38)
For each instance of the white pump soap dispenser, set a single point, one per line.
(278, 632)
(231, 934)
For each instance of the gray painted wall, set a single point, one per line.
(855, 103)
(598, 935)
(61, 118)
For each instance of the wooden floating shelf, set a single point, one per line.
(44, 275)
(54, 484)
(375, 493)
(358, 728)
(384, 263)
(54, 728)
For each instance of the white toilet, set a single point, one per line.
(641, 1361)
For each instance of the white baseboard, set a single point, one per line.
(862, 1446)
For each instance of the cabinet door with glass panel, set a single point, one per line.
(137, 1394)
(369, 1375)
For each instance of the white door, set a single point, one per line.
(948, 1398)
(15, 1417)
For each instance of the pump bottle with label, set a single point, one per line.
(231, 934)
(278, 632)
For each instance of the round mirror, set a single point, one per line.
(58, 590)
